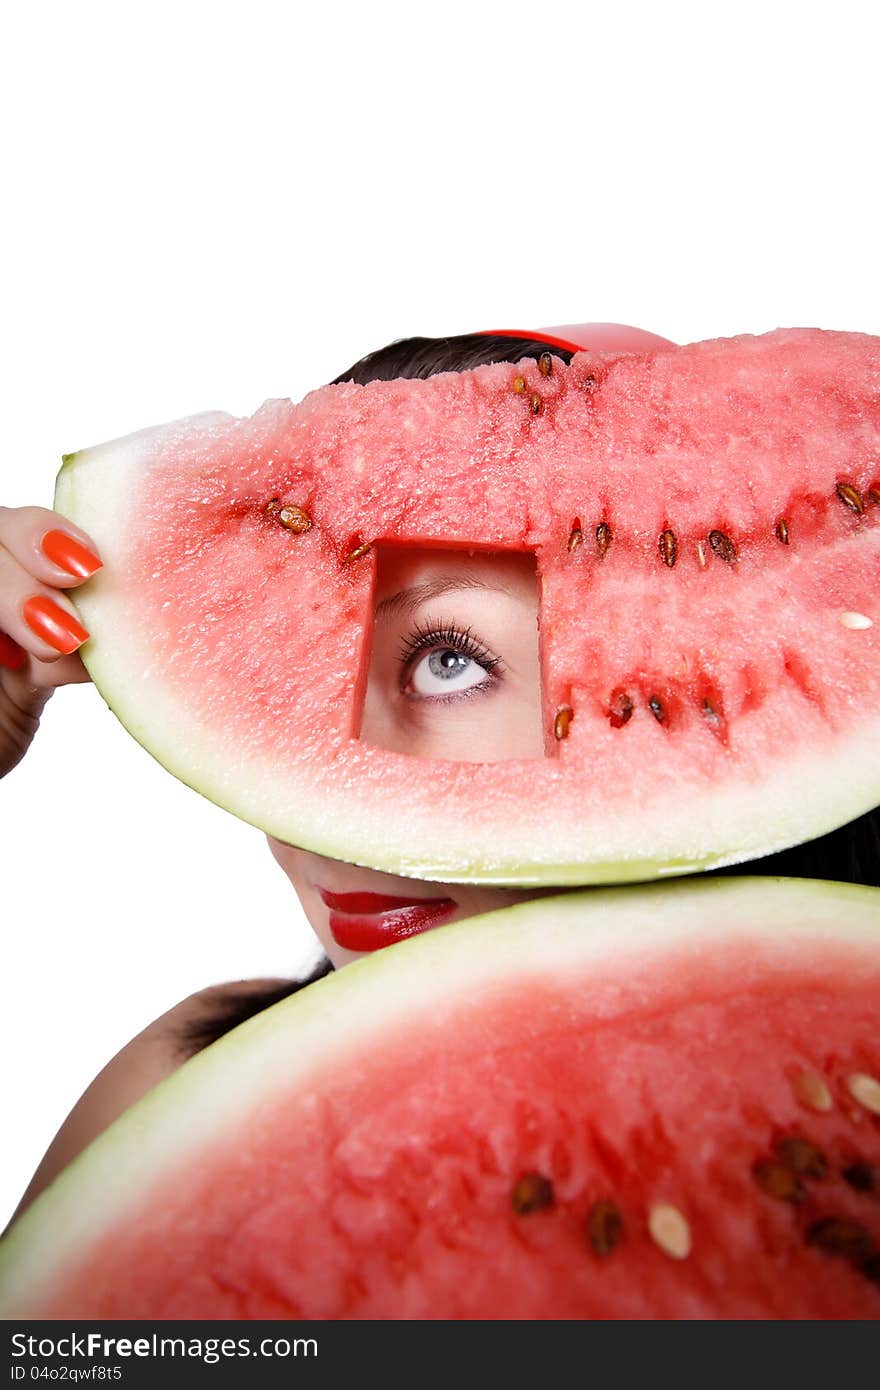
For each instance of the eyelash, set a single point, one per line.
(430, 636)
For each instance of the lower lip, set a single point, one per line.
(361, 930)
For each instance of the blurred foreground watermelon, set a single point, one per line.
(632, 1103)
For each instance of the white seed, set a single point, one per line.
(812, 1091)
(856, 621)
(670, 1230)
(701, 554)
(866, 1090)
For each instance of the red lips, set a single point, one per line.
(368, 921)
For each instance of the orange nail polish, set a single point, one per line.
(12, 656)
(69, 555)
(53, 624)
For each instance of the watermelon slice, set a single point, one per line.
(659, 1102)
(705, 523)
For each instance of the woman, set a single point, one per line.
(454, 671)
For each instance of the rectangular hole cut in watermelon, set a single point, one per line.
(454, 665)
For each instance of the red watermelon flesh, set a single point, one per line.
(705, 523)
(620, 1104)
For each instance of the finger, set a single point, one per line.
(41, 620)
(31, 683)
(48, 546)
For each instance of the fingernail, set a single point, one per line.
(54, 624)
(12, 656)
(69, 555)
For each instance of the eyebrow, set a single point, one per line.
(406, 601)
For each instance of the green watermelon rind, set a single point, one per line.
(332, 1024)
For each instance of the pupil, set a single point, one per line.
(446, 663)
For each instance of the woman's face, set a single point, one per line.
(453, 674)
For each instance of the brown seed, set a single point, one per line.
(837, 1235)
(656, 708)
(668, 548)
(812, 1091)
(871, 1268)
(670, 1230)
(801, 1156)
(604, 1226)
(545, 364)
(272, 506)
(536, 405)
(778, 1182)
(851, 497)
(562, 722)
(723, 546)
(531, 1192)
(519, 385)
(295, 519)
(874, 494)
(576, 537)
(620, 709)
(590, 383)
(782, 530)
(356, 553)
(862, 1177)
(603, 538)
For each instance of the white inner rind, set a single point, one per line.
(600, 935)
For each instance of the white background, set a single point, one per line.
(208, 204)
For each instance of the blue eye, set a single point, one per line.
(445, 671)
(441, 661)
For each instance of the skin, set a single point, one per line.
(454, 673)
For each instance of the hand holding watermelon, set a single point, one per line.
(41, 556)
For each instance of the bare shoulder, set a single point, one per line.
(151, 1056)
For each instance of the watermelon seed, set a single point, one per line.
(620, 711)
(545, 364)
(356, 553)
(778, 1182)
(668, 548)
(295, 519)
(836, 1235)
(874, 494)
(603, 538)
(272, 506)
(857, 622)
(590, 383)
(701, 554)
(711, 712)
(562, 722)
(812, 1091)
(782, 530)
(519, 385)
(656, 708)
(670, 1230)
(576, 535)
(866, 1090)
(861, 1177)
(536, 405)
(723, 546)
(851, 497)
(871, 1268)
(604, 1226)
(532, 1192)
(801, 1156)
